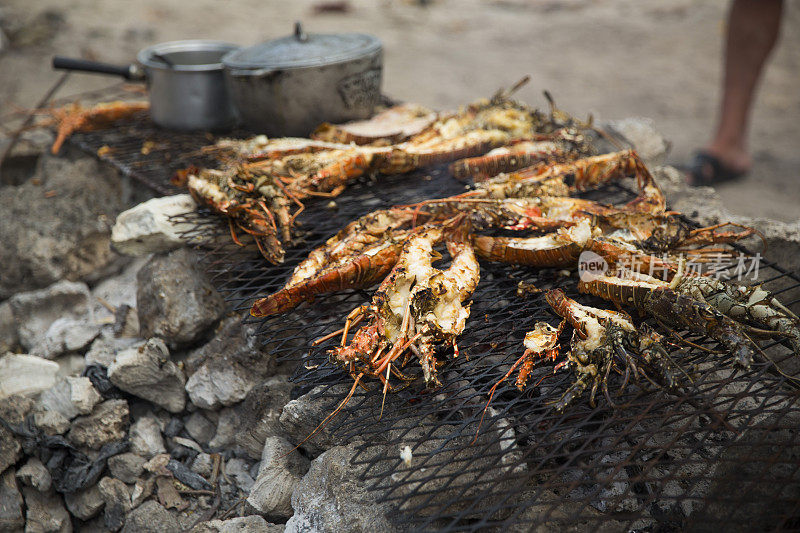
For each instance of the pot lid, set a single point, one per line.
(303, 50)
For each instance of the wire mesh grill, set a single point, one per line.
(724, 453)
(147, 153)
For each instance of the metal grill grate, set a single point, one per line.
(722, 455)
(144, 152)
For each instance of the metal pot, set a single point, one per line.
(185, 81)
(288, 86)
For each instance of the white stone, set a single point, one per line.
(146, 227)
(34, 474)
(145, 436)
(642, 133)
(35, 312)
(280, 472)
(212, 391)
(66, 334)
(242, 524)
(84, 504)
(70, 397)
(200, 428)
(226, 429)
(237, 470)
(25, 374)
(148, 372)
(57, 399)
(104, 349)
(203, 465)
(51, 422)
(70, 365)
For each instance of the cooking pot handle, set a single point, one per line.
(129, 72)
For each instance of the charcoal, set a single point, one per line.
(70, 469)
(174, 427)
(98, 375)
(187, 477)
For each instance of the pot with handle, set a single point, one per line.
(288, 86)
(185, 82)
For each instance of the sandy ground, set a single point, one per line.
(612, 58)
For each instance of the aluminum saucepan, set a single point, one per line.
(185, 81)
(289, 86)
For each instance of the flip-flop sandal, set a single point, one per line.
(707, 169)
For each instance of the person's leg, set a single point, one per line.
(753, 27)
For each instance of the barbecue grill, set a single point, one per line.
(723, 454)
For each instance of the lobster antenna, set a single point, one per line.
(520, 84)
(774, 364)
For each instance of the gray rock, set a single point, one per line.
(146, 228)
(210, 391)
(10, 449)
(260, 416)
(203, 465)
(65, 335)
(93, 525)
(70, 397)
(66, 236)
(332, 498)
(243, 524)
(142, 489)
(118, 291)
(46, 512)
(647, 141)
(11, 503)
(25, 374)
(108, 423)
(57, 399)
(34, 474)
(85, 504)
(158, 465)
(238, 471)
(70, 365)
(83, 395)
(51, 422)
(280, 472)
(224, 370)
(54, 320)
(175, 299)
(200, 428)
(145, 437)
(104, 349)
(117, 502)
(146, 371)
(302, 416)
(226, 432)
(150, 517)
(9, 340)
(14, 409)
(126, 467)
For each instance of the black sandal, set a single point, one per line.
(707, 169)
